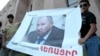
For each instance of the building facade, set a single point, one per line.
(19, 7)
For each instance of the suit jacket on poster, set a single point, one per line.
(55, 38)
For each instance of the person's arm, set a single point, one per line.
(91, 31)
(3, 40)
(89, 34)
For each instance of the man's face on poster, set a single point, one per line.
(43, 26)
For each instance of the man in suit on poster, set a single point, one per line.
(46, 33)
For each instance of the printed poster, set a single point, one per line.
(53, 32)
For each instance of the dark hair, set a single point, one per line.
(0, 23)
(85, 1)
(10, 16)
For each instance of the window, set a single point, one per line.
(72, 3)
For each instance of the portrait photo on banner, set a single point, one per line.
(46, 30)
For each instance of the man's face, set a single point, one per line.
(84, 7)
(43, 26)
(10, 20)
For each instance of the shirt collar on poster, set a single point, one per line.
(44, 38)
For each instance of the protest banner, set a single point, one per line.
(59, 30)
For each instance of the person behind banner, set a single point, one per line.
(46, 33)
(8, 33)
(88, 35)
